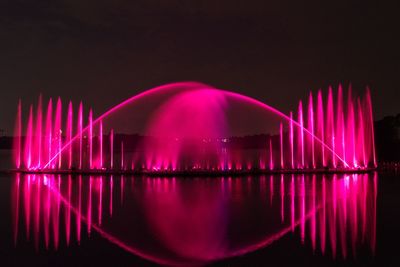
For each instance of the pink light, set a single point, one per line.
(58, 132)
(27, 204)
(49, 131)
(330, 127)
(281, 142)
(371, 125)
(68, 212)
(80, 125)
(111, 148)
(311, 127)
(79, 213)
(375, 193)
(28, 140)
(18, 136)
(351, 129)
(358, 152)
(231, 94)
(56, 213)
(361, 132)
(323, 216)
(313, 216)
(282, 199)
(303, 209)
(47, 212)
(291, 140)
(89, 208)
(111, 195)
(340, 125)
(292, 206)
(344, 143)
(36, 212)
(16, 197)
(321, 126)
(332, 219)
(301, 133)
(122, 155)
(271, 189)
(90, 138)
(122, 188)
(38, 135)
(69, 133)
(100, 205)
(348, 196)
(101, 143)
(271, 161)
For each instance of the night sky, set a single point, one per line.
(106, 51)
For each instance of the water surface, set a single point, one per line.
(137, 220)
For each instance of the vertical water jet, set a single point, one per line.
(271, 161)
(101, 144)
(370, 120)
(301, 133)
(340, 125)
(28, 140)
(18, 136)
(311, 128)
(38, 134)
(58, 132)
(49, 132)
(321, 126)
(291, 140)
(69, 134)
(111, 149)
(80, 129)
(361, 131)
(330, 127)
(90, 138)
(281, 142)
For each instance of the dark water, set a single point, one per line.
(280, 220)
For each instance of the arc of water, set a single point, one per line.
(229, 93)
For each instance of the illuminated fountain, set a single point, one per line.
(192, 127)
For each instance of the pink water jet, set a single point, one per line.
(301, 134)
(101, 144)
(38, 134)
(49, 132)
(330, 127)
(58, 132)
(18, 136)
(311, 128)
(69, 133)
(271, 158)
(281, 144)
(112, 149)
(291, 141)
(340, 141)
(321, 126)
(29, 139)
(80, 133)
(90, 139)
(122, 155)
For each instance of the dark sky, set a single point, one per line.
(276, 51)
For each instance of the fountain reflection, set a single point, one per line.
(197, 220)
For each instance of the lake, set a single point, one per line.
(275, 220)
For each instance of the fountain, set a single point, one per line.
(191, 127)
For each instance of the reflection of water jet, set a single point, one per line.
(321, 213)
